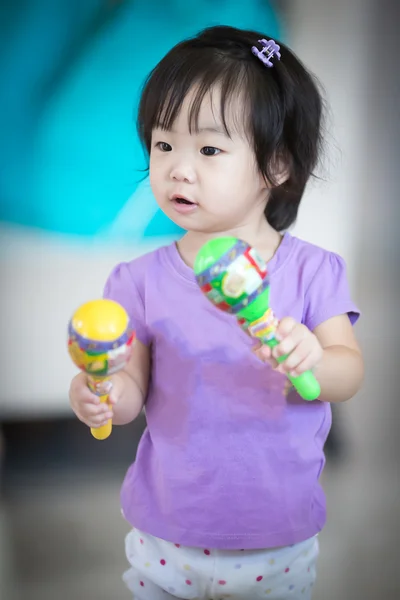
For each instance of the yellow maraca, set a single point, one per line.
(100, 344)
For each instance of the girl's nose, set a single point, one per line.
(183, 172)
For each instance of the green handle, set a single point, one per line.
(209, 256)
(306, 384)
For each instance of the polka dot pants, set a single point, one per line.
(161, 570)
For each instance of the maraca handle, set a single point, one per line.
(305, 384)
(103, 432)
(263, 329)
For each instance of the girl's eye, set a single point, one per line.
(164, 147)
(210, 151)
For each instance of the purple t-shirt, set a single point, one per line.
(227, 460)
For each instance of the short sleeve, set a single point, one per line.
(122, 288)
(328, 294)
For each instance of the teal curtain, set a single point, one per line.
(71, 161)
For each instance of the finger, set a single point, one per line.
(266, 356)
(257, 352)
(113, 399)
(285, 327)
(90, 398)
(270, 361)
(273, 362)
(79, 389)
(89, 410)
(265, 352)
(289, 343)
(101, 420)
(100, 425)
(297, 356)
(116, 390)
(309, 363)
(115, 393)
(96, 421)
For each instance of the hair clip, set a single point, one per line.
(269, 51)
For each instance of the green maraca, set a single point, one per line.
(235, 279)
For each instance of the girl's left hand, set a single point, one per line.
(298, 342)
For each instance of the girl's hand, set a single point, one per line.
(298, 342)
(87, 406)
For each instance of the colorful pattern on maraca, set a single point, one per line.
(236, 279)
(100, 358)
(100, 386)
(264, 328)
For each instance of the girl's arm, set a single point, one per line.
(340, 371)
(129, 391)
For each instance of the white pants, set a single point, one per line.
(161, 570)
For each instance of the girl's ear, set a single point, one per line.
(282, 176)
(279, 173)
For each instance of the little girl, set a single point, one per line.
(224, 496)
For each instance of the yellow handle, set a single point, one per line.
(103, 432)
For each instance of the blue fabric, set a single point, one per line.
(71, 160)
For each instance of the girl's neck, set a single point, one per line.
(262, 237)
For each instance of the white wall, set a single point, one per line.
(44, 279)
(329, 37)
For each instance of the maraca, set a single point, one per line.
(234, 277)
(100, 344)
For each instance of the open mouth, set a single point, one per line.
(184, 201)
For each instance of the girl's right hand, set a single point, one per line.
(87, 406)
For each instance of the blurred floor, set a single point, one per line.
(61, 530)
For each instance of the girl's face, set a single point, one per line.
(206, 181)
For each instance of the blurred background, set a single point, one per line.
(74, 200)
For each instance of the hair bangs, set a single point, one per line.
(171, 85)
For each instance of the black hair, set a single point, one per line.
(284, 106)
